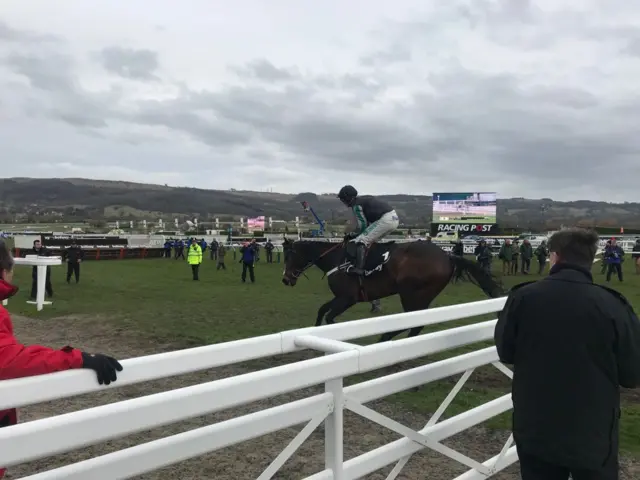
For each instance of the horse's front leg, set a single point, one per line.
(340, 305)
(323, 310)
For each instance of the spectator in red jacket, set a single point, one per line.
(17, 360)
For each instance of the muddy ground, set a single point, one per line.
(247, 460)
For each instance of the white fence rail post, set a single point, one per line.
(334, 430)
(41, 264)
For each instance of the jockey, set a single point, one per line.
(375, 219)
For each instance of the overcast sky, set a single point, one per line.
(526, 98)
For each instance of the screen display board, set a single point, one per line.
(465, 207)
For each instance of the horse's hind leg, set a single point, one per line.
(415, 331)
(323, 310)
(411, 301)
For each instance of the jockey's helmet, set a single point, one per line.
(347, 194)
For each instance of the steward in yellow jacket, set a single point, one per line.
(194, 258)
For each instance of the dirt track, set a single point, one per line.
(247, 460)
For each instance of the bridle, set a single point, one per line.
(295, 274)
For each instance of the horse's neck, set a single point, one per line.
(330, 260)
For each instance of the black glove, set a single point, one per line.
(104, 366)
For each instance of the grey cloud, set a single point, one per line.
(490, 123)
(8, 34)
(566, 97)
(265, 71)
(396, 53)
(46, 72)
(528, 132)
(130, 63)
(79, 119)
(58, 93)
(477, 128)
(633, 47)
(174, 116)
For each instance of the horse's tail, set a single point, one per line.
(476, 274)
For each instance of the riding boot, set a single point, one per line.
(359, 266)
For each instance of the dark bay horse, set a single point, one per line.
(417, 271)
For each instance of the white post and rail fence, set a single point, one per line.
(58, 434)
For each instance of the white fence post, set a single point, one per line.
(333, 430)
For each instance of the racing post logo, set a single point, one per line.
(465, 227)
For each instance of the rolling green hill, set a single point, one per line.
(75, 198)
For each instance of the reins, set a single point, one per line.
(297, 273)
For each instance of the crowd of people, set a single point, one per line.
(516, 258)
(195, 250)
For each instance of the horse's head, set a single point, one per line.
(297, 260)
(302, 255)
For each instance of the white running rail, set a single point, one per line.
(62, 433)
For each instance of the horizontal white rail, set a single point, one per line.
(31, 390)
(324, 344)
(183, 446)
(144, 458)
(36, 439)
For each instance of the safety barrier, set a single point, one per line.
(62, 433)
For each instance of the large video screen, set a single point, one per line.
(477, 207)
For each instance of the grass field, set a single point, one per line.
(158, 298)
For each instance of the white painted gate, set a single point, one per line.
(62, 433)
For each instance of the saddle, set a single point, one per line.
(376, 256)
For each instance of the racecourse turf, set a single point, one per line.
(157, 297)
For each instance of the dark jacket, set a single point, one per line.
(74, 254)
(483, 253)
(542, 252)
(506, 253)
(371, 208)
(572, 344)
(458, 249)
(526, 251)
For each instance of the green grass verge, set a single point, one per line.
(158, 297)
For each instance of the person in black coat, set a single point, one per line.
(74, 255)
(572, 343)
